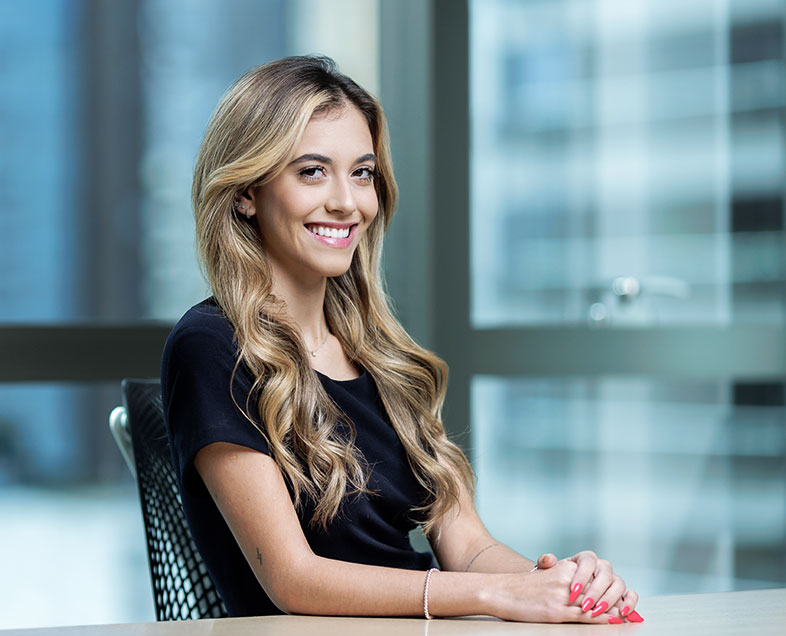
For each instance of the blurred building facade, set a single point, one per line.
(628, 172)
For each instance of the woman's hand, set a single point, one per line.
(554, 592)
(596, 589)
(542, 596)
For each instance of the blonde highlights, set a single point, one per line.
(250, 138)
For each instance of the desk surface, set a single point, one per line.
(756, 612)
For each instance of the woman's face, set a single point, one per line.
(312, 216)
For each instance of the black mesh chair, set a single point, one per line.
(182, 587)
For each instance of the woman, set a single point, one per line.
(305, 423)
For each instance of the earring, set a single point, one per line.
(246, 210)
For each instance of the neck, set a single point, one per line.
(304, 302)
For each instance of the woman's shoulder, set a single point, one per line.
(205, 314)
(204, 326)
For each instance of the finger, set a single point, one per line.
(546, 561)
(575, 615)
(586, 562)
(602, 578)
(610, 596)
(627, 603)
(582, 555)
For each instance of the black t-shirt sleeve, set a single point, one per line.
(198, 387)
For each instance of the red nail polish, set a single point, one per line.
(625, 611)
(602, 607)
(588, 602)
(635, 617)
(615, 621)
(575, 593)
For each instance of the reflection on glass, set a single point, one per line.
(615, 139)
(682, 486)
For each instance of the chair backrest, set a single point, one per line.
(182, 587)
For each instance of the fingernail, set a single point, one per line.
(633, 617)
(615, 621)
(574, 594)
(588, 602)
(602, 607)
(625, 611)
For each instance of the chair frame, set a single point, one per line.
(181, 584)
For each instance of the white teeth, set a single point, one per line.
(331, 232)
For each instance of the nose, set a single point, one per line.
(341, 198)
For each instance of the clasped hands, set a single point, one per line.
(582, 588)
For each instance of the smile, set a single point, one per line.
(339, 237)
(331, 232)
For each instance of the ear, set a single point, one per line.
(244, 203)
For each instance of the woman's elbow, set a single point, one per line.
(290, 592)
(293, 599)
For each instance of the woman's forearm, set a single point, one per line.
(330, 587)
(499, 558)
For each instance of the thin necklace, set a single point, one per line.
(313, 352)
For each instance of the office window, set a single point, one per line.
(627, 165)
(682, 485)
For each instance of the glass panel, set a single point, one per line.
(627, 162)
(71, 530)
(109, 234)
(681, 485)
(182, 80)
(102, 229)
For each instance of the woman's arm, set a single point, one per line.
(252, 496)
(462, 543)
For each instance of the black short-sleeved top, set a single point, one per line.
(197, 365)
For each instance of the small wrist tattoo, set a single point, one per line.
(259, 556)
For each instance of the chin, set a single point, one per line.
(335, 267)
(335, 272)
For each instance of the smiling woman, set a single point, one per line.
(305, 423)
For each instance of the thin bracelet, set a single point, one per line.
(425, 593)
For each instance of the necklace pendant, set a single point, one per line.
(313, 352)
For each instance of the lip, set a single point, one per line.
(331, 241)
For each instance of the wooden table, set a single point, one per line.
(759, 612)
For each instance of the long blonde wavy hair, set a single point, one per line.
(249, 140)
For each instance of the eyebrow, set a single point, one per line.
(323, 159)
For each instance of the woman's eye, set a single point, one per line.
(365, 173)
(312, 173)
